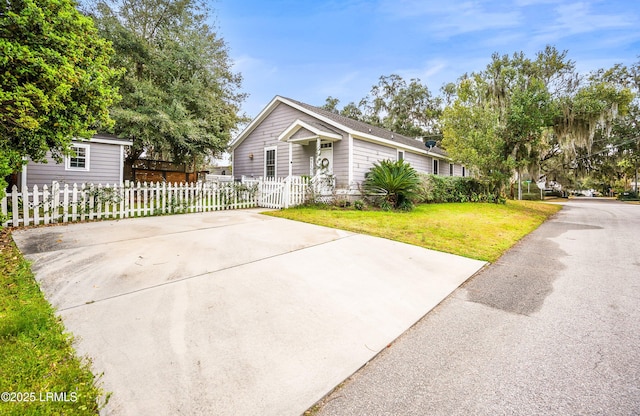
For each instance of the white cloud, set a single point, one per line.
(579, 18)
(450, 18)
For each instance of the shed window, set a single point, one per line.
(79, 159)
(435, 166)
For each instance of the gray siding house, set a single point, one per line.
(285, 137)
(99, 160)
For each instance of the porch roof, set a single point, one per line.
(310, 131)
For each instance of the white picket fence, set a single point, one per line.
(65, 203)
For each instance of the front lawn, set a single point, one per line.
(39, 371)
(477, 230)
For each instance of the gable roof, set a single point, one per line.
(354, 127)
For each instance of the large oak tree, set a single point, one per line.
(180, 95)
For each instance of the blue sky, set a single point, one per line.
(308, 50)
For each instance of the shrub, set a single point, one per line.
(628, 196)
(393, 184)
(440, 189)
(531, 196)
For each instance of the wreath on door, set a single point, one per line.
(324, 163)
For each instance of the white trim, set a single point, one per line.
(290, 159)
(121, 164)
(299, 124)
(275, 162)
(87, 158)
(233, 161)
(350, 157)
(23, 174)
(122, 142)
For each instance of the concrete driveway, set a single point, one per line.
(231, 313)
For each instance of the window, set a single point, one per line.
(400, 155)
(464, 173)
(79, 159)
(450, 169)
(435, 166)
(326, 146)
(270, 162)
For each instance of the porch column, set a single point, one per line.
(317, 154)
(290, 159)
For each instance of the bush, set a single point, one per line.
(394, 185)
(440, 189)
(531, 196)
(628, 196)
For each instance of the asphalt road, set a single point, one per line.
(552, 328)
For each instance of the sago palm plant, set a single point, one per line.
(395, 183)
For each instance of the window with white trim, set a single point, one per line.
(270, 162)
(450, 169)
(400, 155)
(464, 173)
(435, 166)
(78, 159)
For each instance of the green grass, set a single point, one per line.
(36, 355)
(475, 230)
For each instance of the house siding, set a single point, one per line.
(366, 153)
(266, 134)
(421, 163)
(302, 134)
(104, 168)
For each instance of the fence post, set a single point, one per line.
(4, 211)
(287, 191)
(15, 208)
(83, 201)
(74, 203)
(65, 203)
(55, 190)
(45, 198)
(91, 201)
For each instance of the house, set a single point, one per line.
(99, 160)
(287, 137)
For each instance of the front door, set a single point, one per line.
(326, 157)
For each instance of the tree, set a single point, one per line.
(408, 109)
(543, 110)
(331, 104)
(472, 133)
(180, 98)
(55, 82)
(511, 105)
